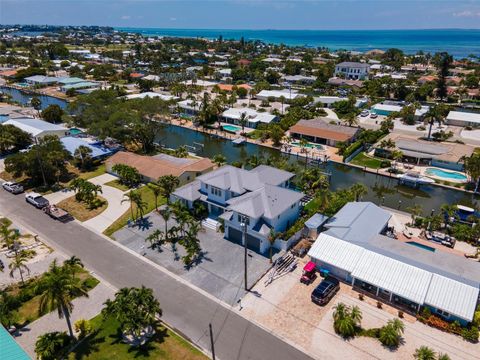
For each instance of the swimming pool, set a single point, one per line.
(308, 145)
(448, 175)
(421, 246)
(231, 128)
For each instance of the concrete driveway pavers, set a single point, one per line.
(187, 309)
(220, 270)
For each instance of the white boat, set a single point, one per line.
(238, 141)
(465, 208)
(414, 177)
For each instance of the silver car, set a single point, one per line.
(13, 187)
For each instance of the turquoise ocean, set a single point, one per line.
(458, 42)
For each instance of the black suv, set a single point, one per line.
(325, 291)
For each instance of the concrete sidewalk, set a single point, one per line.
(84, 308)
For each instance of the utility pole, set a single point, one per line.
(244, 232)
(212, 344)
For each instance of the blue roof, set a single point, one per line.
(9, 349)
(79, 85)
(73, 143)
(70, 80)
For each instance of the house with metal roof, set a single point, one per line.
(41, 80)
(253, 117)
(259, 198)
(463, 118)
(278, 94)
(98, 151)
(38, 128)
(354, 248)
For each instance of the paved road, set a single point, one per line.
(187, 310)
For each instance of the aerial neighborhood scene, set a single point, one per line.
(228, 179)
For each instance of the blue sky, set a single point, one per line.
(247, 14)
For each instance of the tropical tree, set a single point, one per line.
(156, 191)
(8, 316)
(450, 212)
(131, 197)
(346, 320)
(36, 104)
(219, 159)
(73, 263)
(167, 185)
(272, 236)
(83, 155)
(59, 289)
(128, 175)
(243, 120)
(19, 264)
(181, 152)
(48, 345)
(472, 168)
(386, 144)
(424, 353)
(85, 191)
(391, 333)
(351, 119)
(53, 114)
(276, 134)
(13, 138)
(415, 210)
(358, 190)
(396, 155)
(136, 309)
(190, 242)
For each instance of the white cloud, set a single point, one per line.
(126, 17)
(467, 13)
(173, 19)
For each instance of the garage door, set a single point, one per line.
(236, 236)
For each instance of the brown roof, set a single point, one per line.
(320, 128)
(156, 167)
(228, 87)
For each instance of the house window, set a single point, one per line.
(242, 218)
(206, 186)
(443, 313)
(293, 205)
(216, 191)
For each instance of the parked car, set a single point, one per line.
(325, 290)
(365, 113)
(373, 116)
(13, 187)
(36, 200)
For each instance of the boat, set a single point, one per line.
(414, 178)
(238, 141)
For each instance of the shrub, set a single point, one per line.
(390, 334)
(50, 344)
(83, 327)
(90, 283)
(385, 164)
(471, 334)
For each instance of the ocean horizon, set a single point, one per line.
(458, 42)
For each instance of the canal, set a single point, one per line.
(24, 98)
(381, 189)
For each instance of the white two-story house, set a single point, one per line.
(260, 198)
(352, 70)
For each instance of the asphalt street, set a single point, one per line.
(187, 310)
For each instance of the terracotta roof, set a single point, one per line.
(8, 73)
(136, 75)
(154, 167)
(228, 87)
(321, 129)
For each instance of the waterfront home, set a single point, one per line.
(151, 94)
(463, 118)
(153, 167)
(98, 151)
(40, 80)
(81, 85)
(189, 107)
(278, 94)
(386, 109)
(38, 128)
(259, 198)
(422, 152)
(320, 131)
(299, 79)
(253, 117)
(355, 249)
(352, 70)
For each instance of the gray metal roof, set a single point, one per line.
(358, 222)
(316, 221)
(190, 191)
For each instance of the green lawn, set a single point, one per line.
(364, 160)
(147, 196)
(116, 184)
(30, 298)
(105, 344)
(99, 170)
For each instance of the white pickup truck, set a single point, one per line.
(36, 200)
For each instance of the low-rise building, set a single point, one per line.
(253, 117)
(259, 198)
(41, 80)
(38, 128)
(153, 167)
(278, 94)
(352, 70)
(320, 131)
(463, 118)
(354, 249)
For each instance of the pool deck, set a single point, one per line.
(431, 244)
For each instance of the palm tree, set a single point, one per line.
(84, 154)
(168, 184)
(415, 210)
(351, 119)
(271, 239)
(450, 211)
(396, 155)
(166, 214)
(219, 159)
(132, 197)
(48, 345)
(282, 100)
(391, 333)
(156, 191)
(358, 190)
(346, 320)
(243, 120)
(424, 353)
(9, 237)
(73, 263)
(60, 288)
(443, 357)
(36, 104)
(19, 263)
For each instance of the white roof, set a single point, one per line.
(463, 116)
(203, 83)
(252, 115)
(395, 276)
(452, 296)
(287, 94)
(386, 107)
(152, 95)
(33, 126)
(336, 252)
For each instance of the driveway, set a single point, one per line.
(220, 270)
